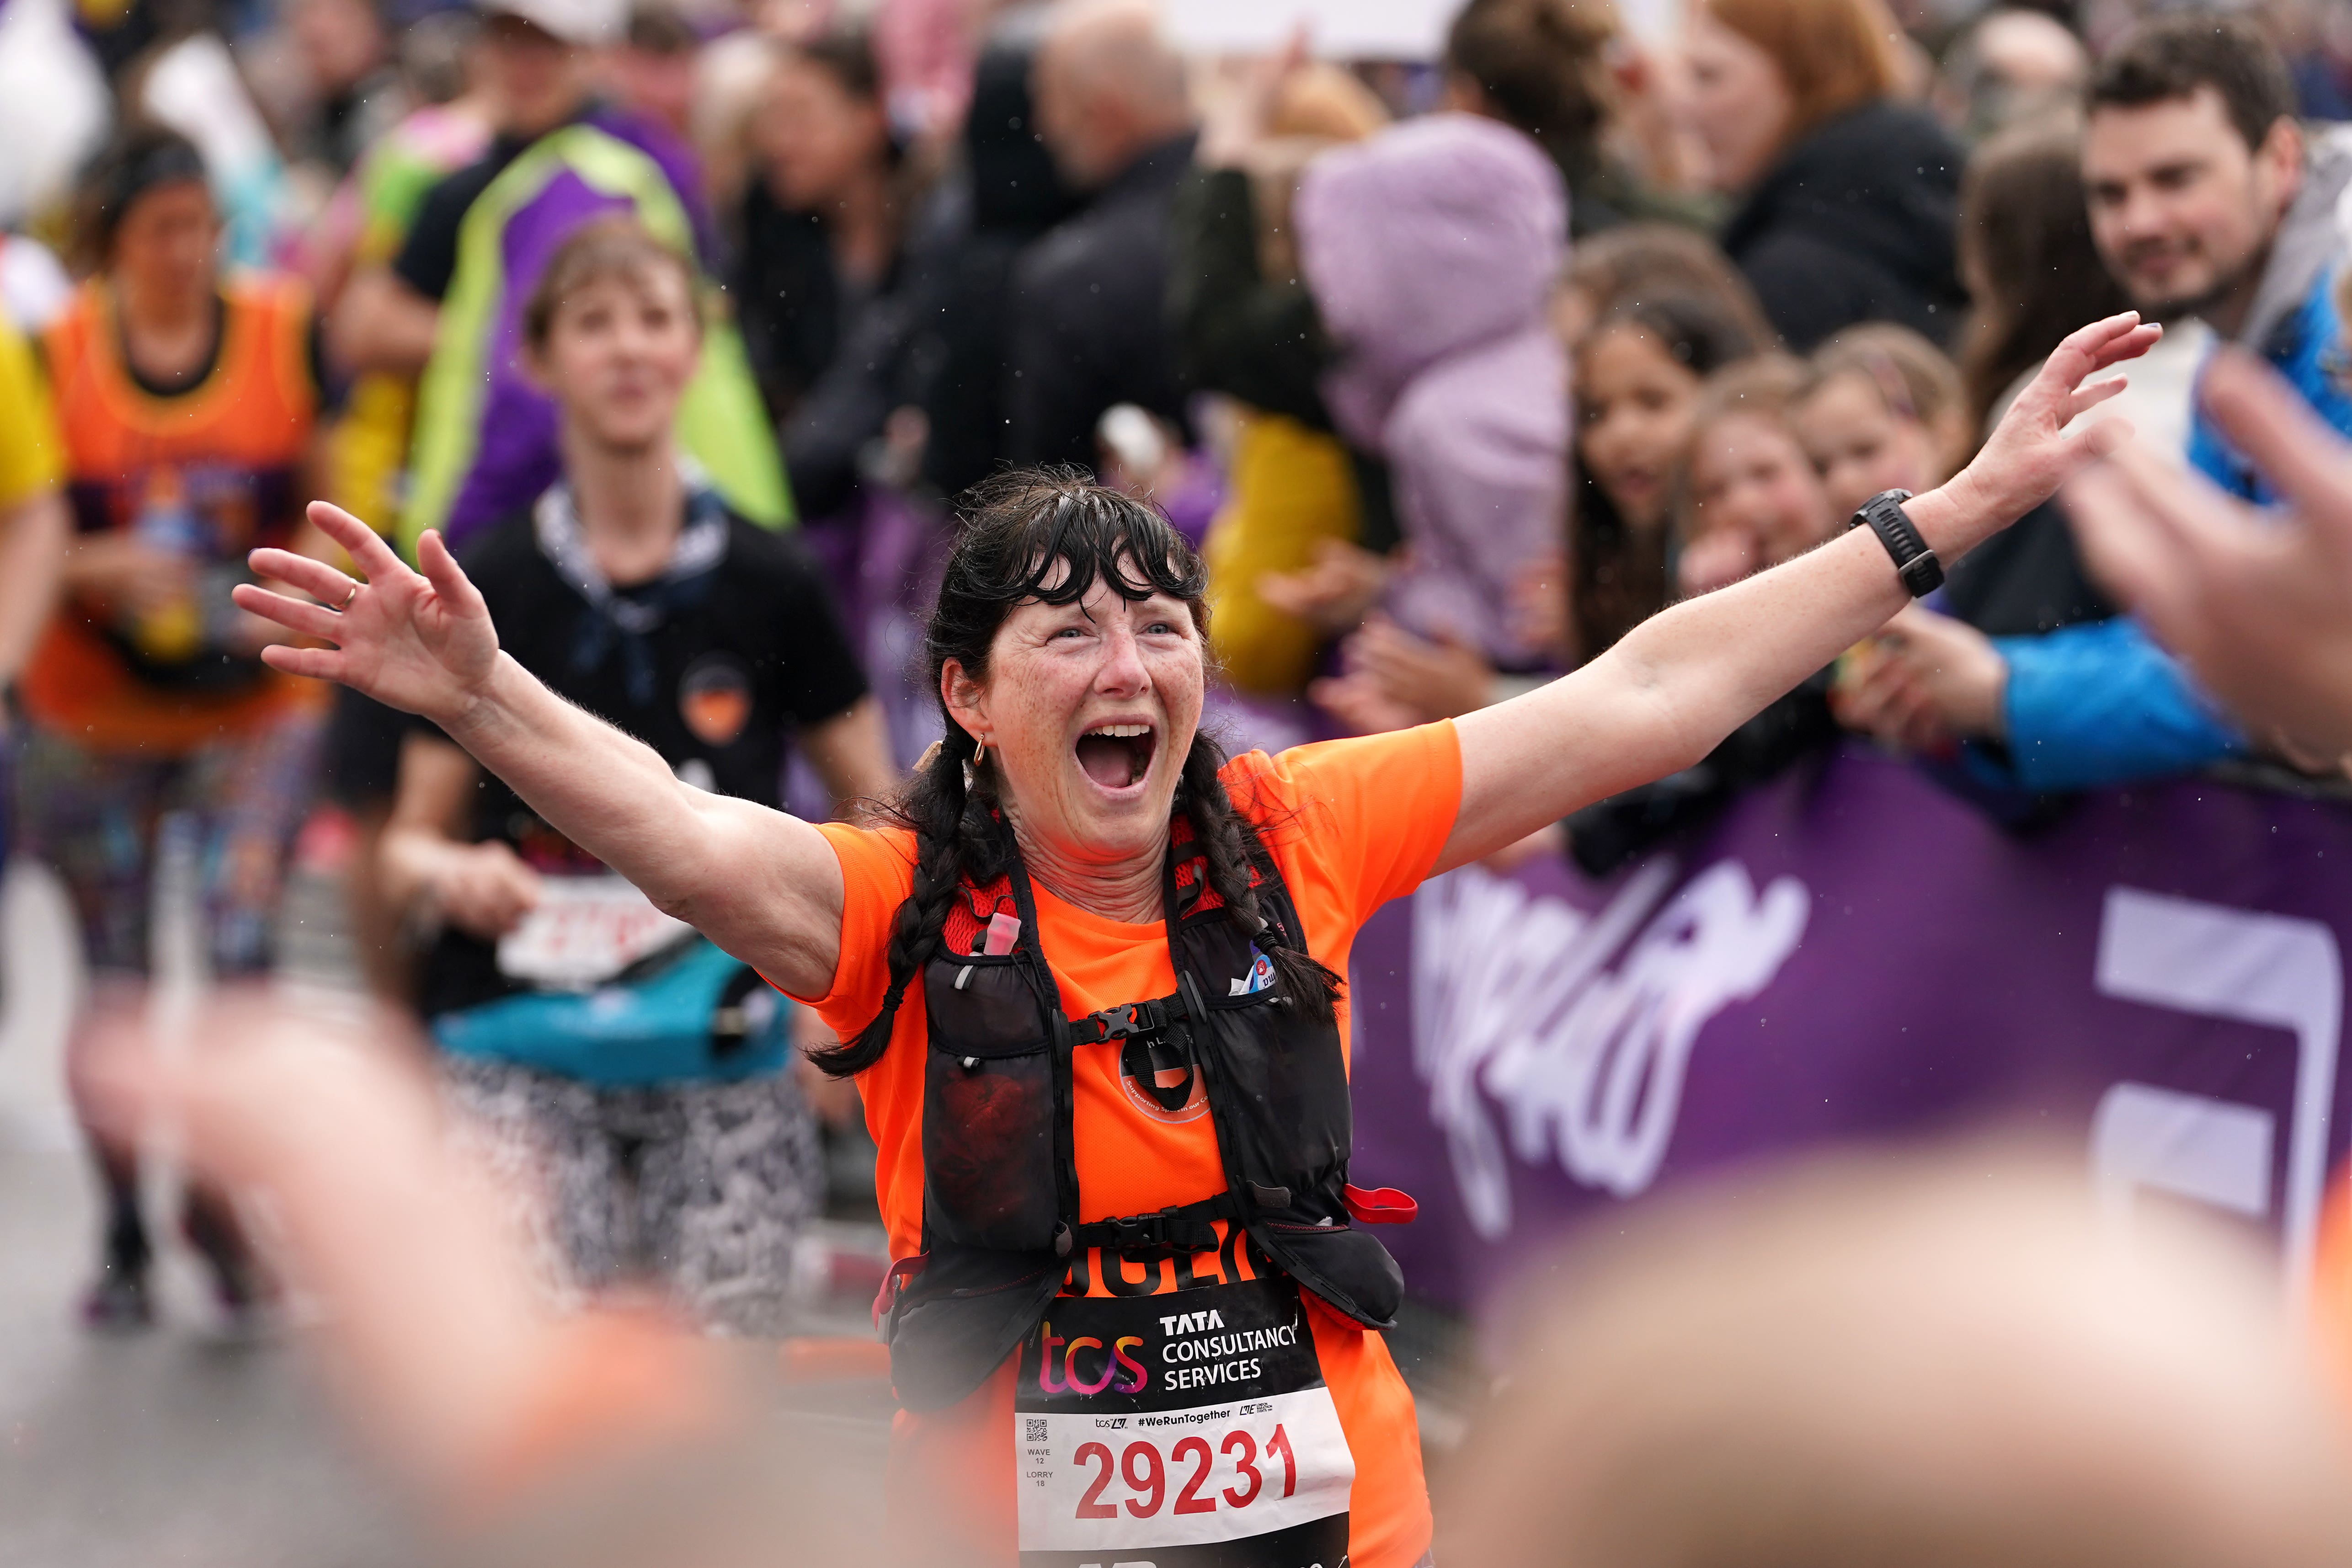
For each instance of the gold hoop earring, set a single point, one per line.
(979, 751)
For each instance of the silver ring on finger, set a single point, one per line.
(348, 598)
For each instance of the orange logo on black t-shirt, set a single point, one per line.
(714, 698)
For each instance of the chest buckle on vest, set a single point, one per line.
(1120, 1022)
(1181, 1227)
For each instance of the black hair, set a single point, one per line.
(2172, 57)
(144, 157)
(1541, 67)
(1619, 576)
(1051, 535)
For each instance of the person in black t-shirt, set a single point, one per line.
(632, 591)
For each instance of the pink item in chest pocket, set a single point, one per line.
(1003, 931)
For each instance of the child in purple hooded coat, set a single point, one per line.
(1431, 249)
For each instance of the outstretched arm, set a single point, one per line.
(764, 886)
(1668, 692)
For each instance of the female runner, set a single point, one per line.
(1088, 981)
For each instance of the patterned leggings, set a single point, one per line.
(97, 819)
(700, 1187)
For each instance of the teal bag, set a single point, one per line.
(690, 1014)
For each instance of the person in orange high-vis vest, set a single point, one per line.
(185, 404)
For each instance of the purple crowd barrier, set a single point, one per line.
(1851, 955)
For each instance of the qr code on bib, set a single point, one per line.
(1036, 1429)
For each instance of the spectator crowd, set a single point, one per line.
(684, 324)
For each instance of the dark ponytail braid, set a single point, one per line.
(1051, 535)
(957, 836)
(1232, 849)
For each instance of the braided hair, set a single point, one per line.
(1051, 535)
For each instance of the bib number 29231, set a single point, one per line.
(1191, 1430)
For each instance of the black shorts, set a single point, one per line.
(361, 768)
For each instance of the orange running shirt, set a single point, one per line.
(222, 458)
(1354, 824)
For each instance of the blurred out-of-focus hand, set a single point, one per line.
(1924, 683)
(128, 575)
(1717, 559)
(1539, 607)
(484, 890)
(1431, 680)
(442, 1350)
(2260, 607)
(1356, 701)
(1240, 107)
(431, 1316)
(1334, 592)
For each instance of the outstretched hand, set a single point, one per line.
(2259, 606)
(2032, 451)
(421, 643)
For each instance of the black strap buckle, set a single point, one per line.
(1120, 1022)
(1141, 1232)
(1179, 1228)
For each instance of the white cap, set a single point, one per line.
(585, 22)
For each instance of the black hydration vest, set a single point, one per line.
(1000, 1228)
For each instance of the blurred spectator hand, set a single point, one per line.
(128, 575)
(1333, 593)
(1925, 682)
(1361, 708)
(1717, 559)
(484, 890)
(2259, 606)
(1431, 680)
(1539, 606)
(1139, 454)
(1238, 117)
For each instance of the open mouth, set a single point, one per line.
(1116, 757)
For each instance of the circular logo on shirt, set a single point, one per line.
(714, 698)
(1168, 1072)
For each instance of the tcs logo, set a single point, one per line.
(1117, 1371)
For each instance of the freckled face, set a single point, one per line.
(1088, 711)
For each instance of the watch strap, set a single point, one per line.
(1917, 564)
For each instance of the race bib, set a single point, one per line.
(584, 932)
(1191, 1430)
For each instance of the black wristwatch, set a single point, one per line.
(1917, 564)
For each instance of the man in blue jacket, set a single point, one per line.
(2207, 199)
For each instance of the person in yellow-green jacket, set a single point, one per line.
(450, 302)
